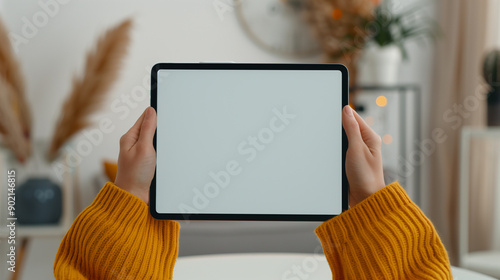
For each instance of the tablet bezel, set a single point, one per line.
(250, 66)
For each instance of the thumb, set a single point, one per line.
(351, 126)
(370, 137)
(148, 127)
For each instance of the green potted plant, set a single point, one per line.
(491, 74)
(389, 32)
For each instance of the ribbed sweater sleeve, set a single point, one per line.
(116, 238)
(386, 236)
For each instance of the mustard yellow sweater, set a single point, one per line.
(384, 237)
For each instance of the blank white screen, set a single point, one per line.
(271, 137)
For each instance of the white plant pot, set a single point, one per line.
(380, 66)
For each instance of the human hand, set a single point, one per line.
(364, 158)
(137, 159)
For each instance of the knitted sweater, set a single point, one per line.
(386, 236)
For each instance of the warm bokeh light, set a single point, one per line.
(337, 13)
(369, 120)
(387, 139)
(381, 101)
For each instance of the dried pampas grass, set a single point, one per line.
(11, 73)
(89, 91)
(341, 27)
(10, 125)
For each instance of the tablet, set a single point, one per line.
(249, 141)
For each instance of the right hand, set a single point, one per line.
(137, 159)
(364, 158)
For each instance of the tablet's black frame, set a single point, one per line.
(250, 66)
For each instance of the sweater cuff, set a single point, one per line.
(121, 205)
(116, 238)
(113, 195)
(125, 209)
(383, 202)
(386, 236)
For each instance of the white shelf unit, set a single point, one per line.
(31, 231)
(487, 262)
(26, 232)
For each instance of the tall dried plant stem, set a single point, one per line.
(89, 90)
(10, 70)
(10, 125)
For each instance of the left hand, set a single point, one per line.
(137, 159)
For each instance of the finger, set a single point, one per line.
(351, 126)
(148, 127)
(129, 139)
(370, 137)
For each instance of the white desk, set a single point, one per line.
(269, 266)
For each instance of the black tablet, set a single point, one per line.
(249, 141)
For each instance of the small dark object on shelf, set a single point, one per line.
(39, 202)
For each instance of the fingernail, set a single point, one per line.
(349, 111)
(148, 112)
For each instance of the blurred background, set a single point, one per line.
(423, 74)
